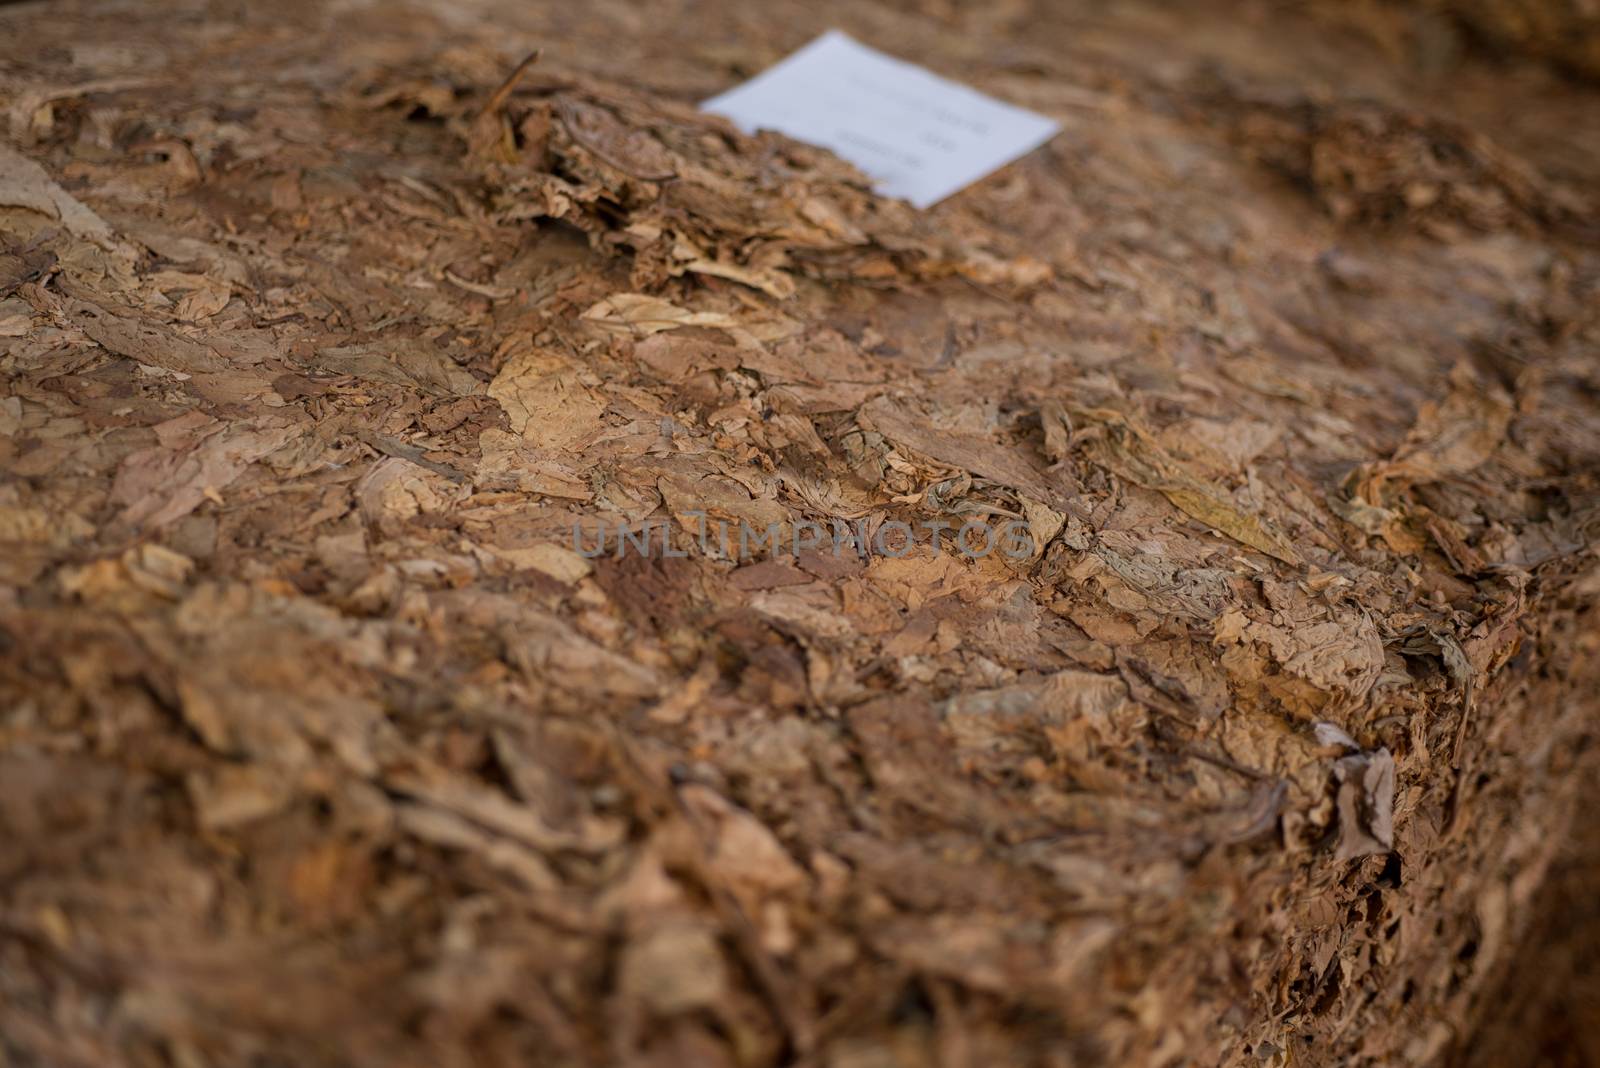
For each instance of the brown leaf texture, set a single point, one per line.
(499, 568)
(1131, 453)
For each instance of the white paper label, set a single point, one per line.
(918, 135)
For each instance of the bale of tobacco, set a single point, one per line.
(500, 568)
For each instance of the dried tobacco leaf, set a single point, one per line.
(1123, 448)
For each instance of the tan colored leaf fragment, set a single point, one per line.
(693, 501)
(1450, 438)
(1131, 454)
(561, 564)
(25, 184)
(508, 460)
(1009, 465)
(402, 363)
(203, 302)
(158, 485)
(1454, 436)
(1044, 522)
(546, 401)
(638, 315)
(673, 969)
(740, 848)
(1366, 804)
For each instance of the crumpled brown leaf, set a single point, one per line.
(1118, 445)
(1451, 438)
